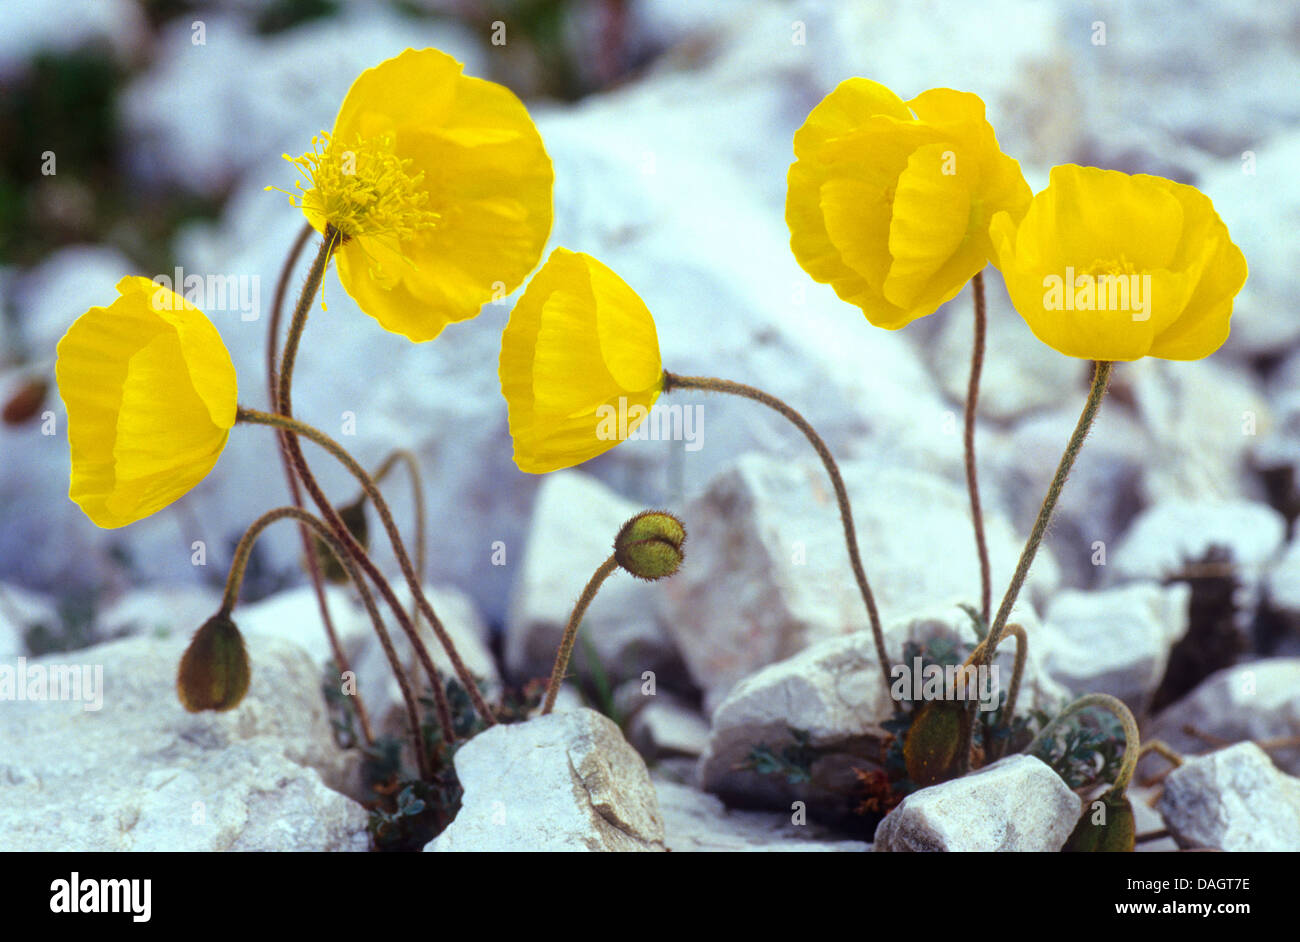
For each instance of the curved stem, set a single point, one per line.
(332, 239)
(385, 515)
(417, 497)
(277, 306)
(295, 493)
(1125, 716)
(1161, 748)
(283, 398)
(235, 579)
(972, 482)
(672, 381)
(571, 632)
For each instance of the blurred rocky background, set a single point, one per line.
(137, 136)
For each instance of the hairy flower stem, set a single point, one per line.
(298, 322)
(295, 492)
(672, 381)
(417, 498)
(284, 400)
(1125, 716)
(1017, 672)
(363, 558)
(1162, 749)
(972, 483)
(1101, 378)
(235, 579)
(571, 632)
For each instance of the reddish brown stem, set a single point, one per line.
(295, 494)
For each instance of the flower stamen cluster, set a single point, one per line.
(362, 188)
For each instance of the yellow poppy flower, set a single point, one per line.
(151, 397)
(439, 187)
(580, 366)
(889, 201)
(1108, 266)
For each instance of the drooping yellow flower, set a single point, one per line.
(889, 201)
(151, 396)
(580, 366)
(439, 187)
(1108, 266)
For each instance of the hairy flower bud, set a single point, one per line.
(649, 546)
(354, 518)
(214, 671)
(931, 745)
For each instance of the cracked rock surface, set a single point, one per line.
(563, 782)
(141, 774)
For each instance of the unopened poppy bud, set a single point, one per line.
(354, 518)
(214, 671)
(931, 745)
(649, 546)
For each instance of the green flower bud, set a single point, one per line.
(1115, 833)
(930, 747)
(214, 671)
(354, 518)
(649, 546)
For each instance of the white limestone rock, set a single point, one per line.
(1258, 700)
(834, 692)
(1114, 641)
(1234, 799)
(1016, 804)
(1164, 537)
(767, 573)
(664, 726)
(140, 773)
(562, 782)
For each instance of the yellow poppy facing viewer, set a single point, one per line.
(1107, 266)
(151, 397)
(889, 201)
(438, 186)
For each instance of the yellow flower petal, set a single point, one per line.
(448, 204)
(889, 202)
(928, 225)
(1104, 214)
(580, 365)
(1107, 266)
(151, 395)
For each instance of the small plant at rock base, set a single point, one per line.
(1083, 752)
(794, 761)
(1107, 823)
